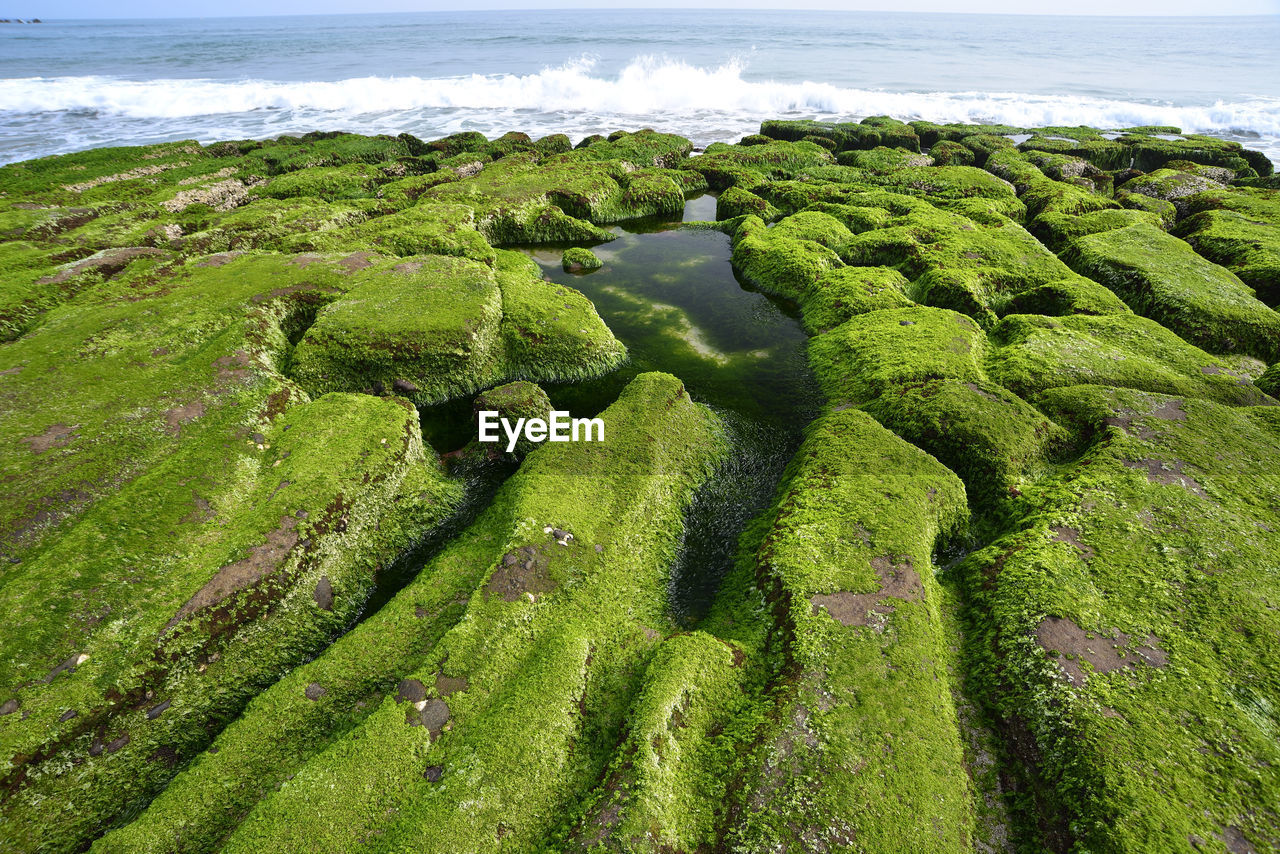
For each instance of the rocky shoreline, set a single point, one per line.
(1015, 592)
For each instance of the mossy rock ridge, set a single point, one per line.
(558, 623)
(866, 746)
(1109, 629)
(194, 527)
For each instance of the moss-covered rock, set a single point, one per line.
(521, 199)
(1110, 628)
(747, 167)
(1166, 211)
(846, 551)
(1036, 353)
(352, 181)
(1270, 381)
(871, 132)
(1239, 229)
(949, 153)
(1161, 277)
(215, 475)
(1171, 185)
(433, 328)
(735, 201)
(1058, 230)
(191, 526)
(578, 259)
(519, 700)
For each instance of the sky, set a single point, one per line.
(56, 9)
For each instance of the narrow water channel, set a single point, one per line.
(670, 294)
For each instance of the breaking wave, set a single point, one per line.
(646, 87)
(702, 103)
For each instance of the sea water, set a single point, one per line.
(708, 75)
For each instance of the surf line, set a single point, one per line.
(560, 428)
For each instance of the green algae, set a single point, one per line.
(1161, 277)
(866, 746)
(623, 495)
(1238, 228)
(1120, 350)
(535, 663)
(577, 259)
(1111, 628)
(872, 132)
(198, 398)
(390, 331)
(186, 450)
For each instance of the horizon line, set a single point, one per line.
(24, 19)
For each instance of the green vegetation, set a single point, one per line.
(866, 746)
(436, 327)
(1239, 229)
(577, 259)
(1015, 591)
(1161, 277)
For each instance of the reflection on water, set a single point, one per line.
(670, 295)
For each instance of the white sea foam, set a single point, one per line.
(704, 103)
(646, 87)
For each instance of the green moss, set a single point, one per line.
(406, 191)
(1161, 277)
(624, 495)
(1150, 153)
(844, 292)
(331, 183)
(1269, 382)
(1118, 350)
(1171, 185)
(873, 353)
(556, 143)
(294, 225)
(1071, 170)
(154, 396)
(780, 264)
(1048, 196)
(986, 145)
(1239, 229)
(323, 149)
(950, 153)
(1058, 230)
(392, 331)
(550, 654)
(1075, 295)
(667, 786)
(735, 201)
(1167, 213)
(871, 132)
(866, 746)
(193, 527)
(1011, 165)
(748, 166)
(513, 401)
(883, 160)
(956, 262)
(521, 199)
(577, 259)
(427, 228)
(68, 178)
(642, 148)
(1125, 632)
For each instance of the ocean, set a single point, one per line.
(708, 75)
